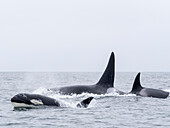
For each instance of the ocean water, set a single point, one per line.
(105, 111)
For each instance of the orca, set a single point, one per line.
(106, 81)
(85, 103)
(147, 92)
(24, 100)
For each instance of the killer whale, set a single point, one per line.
(24, 100)
(147, 92)
(106, 81)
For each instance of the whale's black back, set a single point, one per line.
(106, 81)
(40, 100)
(147, 92)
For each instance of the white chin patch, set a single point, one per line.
(36, 102)
(22, 105)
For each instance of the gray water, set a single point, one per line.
(105, 111)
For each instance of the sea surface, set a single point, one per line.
(105, 111)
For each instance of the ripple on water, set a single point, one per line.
(110, 110)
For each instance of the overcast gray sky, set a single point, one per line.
(76, 35)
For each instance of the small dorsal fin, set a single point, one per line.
(107, 78)
(85, 103)
(137, 84)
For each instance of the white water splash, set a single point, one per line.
(112, 92)
(167, 90)
(74, 99)
(40, 90)
(64, 103)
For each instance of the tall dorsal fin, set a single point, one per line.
(136, 84)
(107, 78)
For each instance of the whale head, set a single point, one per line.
(25, 100)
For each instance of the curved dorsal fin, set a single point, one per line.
(136, 84)
(107, 78)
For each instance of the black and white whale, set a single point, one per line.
(101, 87)
(147, 92)
(24, 100)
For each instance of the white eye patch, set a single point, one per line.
(36, 102)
